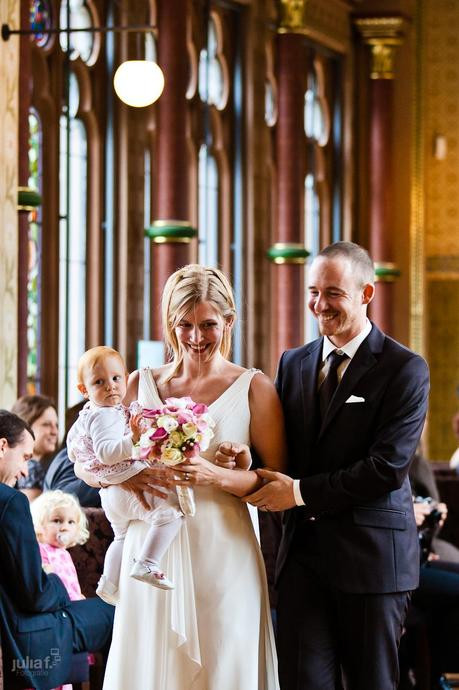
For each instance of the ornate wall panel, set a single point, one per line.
(441, 44)
(443, 345)
(9, 71)
(441, 196)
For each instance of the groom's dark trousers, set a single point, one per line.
(349, 558)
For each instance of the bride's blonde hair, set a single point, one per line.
(183, 290)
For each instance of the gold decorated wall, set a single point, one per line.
(440, 40)
(9, 68)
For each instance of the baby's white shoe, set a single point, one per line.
(146, 572)
(107, 591)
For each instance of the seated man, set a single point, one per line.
(40, 627)
(60, 475)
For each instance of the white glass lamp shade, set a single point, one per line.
(138, 82)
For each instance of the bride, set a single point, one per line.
(213, 631)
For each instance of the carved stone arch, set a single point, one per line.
(97, 35)
(220, 54)
(191, 32)
(322, 98)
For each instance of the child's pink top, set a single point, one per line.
(60, 562)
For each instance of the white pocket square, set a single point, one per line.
(355, 399)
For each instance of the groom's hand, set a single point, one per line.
(276, 494)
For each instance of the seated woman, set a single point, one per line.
(39, 412)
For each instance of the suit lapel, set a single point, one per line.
(363, 360)
(308, 384)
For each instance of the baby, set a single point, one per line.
(102, 440)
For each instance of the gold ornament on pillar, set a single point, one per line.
(382, 35)
(292, 16)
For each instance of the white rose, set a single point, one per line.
(167, 422)
(144, 440)
(189, 429)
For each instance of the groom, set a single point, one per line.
(354, 402)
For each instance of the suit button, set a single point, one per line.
(64, 615)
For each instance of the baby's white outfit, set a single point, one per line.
(101, 441)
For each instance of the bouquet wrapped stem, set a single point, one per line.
(185, 495)
(174, 433)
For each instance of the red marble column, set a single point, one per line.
(172, 164)
(383, 34)
(287, 317)
(381, 196)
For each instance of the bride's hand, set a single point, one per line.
(147, 481)
(198, 471)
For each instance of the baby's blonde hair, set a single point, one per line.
(94, 355)
(42, 507)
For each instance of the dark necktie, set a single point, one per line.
(330, 382)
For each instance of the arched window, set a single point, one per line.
(34, 302)
(312, 242)
(72, 244)
(82, 44)
(213, 81)
(208, 208)
(322, 183)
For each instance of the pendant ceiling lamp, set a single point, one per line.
(137, 83)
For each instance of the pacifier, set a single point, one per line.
(63, 538)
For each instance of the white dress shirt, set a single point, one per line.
(348, 349)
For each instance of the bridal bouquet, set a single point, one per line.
(178, 430)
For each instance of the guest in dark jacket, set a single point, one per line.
(40, 627)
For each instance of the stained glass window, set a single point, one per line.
(40, 20)
(34, 260)
(81, 43)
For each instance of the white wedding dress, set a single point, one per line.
(213, 631)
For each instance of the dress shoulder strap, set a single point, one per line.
(148, 392)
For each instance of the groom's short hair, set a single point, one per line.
(357, 255)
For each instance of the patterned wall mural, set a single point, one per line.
(9, 69)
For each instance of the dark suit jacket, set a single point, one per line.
(353, 470)
(36, 630)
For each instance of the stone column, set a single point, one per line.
(288, 253)
(9, 119)
(171, 231)
(382, 35)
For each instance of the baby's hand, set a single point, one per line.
(47, 568)
(135, 422)
(231, 455)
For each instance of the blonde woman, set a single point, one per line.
(213, 632)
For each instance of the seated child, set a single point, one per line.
(59, 524)
(102, 440)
